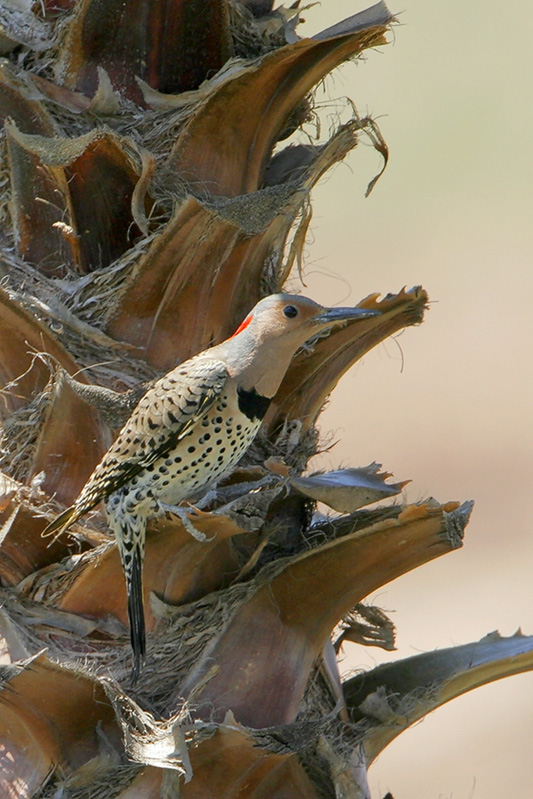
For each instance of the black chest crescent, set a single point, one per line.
(251, 404)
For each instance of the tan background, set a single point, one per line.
(453, 212)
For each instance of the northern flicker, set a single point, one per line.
(193, 425)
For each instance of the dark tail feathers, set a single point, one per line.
(136, 614)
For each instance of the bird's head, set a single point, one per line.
(295, 319)
(265, 342)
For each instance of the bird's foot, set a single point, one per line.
(207, 499)
(183, 515)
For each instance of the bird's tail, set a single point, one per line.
(136, 612)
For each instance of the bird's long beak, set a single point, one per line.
(329, 316)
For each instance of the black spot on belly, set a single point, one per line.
(253, 405)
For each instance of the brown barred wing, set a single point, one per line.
(166, 413)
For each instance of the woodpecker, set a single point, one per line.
(191, 427)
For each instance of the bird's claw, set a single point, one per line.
(183, 515)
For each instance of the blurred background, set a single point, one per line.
(448, 404)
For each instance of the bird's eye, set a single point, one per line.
(290, 311)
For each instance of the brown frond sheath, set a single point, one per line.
(80, 194)
(17, 105)
(289, 619)
(232, 751)
(23, 551)
(40, 201)
(71, 442)
(50, 716)
(178, 568)
(175, 46)
(22, 336)
(174, 279)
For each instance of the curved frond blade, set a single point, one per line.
(256, 103)
(387, 700)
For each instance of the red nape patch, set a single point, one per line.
(242, 325)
